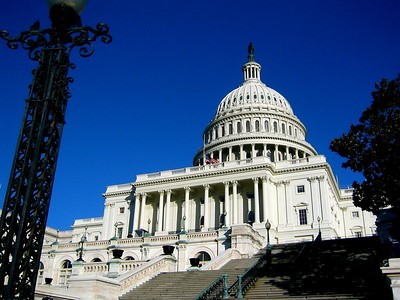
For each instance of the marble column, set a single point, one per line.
(256, 201)
(160, 211)
(136, 212)
(227, 205)
(265, 200)
(206, 206)
(142, 210)
(235, 208)
(167, 211)
(186, 214)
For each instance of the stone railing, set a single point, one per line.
(202, 235)
(221, 260)
(95, 267)
(143, 273)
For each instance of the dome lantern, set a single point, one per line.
(251, 69)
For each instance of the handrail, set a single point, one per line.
(216, 290)
(244, 281)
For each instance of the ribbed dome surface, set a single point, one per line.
(253, 93)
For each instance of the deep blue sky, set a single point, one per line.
(140, 104)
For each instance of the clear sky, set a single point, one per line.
(141, 103)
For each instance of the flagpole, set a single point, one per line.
(204, 149)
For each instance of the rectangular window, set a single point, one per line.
(355, 214)
(303, 216)
(121, 210)
(358, 234)
(300, 189)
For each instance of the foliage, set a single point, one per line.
(373, 148)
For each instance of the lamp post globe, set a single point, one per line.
(77, 5)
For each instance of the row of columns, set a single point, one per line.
(230, 209)
(285, 155)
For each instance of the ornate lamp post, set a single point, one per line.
(25, 210)
(80, 250)
(148, 226)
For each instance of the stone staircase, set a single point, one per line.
(186, 285)
(334, 269)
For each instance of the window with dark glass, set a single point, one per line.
(303, 216)
(300, 189)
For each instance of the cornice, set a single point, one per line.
(228, 171)
(118, 193)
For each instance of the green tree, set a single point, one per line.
(372, 147)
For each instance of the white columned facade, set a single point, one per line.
(235, 202)
(206, 206)
(227, 205)
(160, 211)
(167, 211)
(142, 211)
(256, 201)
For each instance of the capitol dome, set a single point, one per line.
(253, 120)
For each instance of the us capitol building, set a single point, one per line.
(255, 169)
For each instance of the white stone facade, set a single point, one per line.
(255, 166)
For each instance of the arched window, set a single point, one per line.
(238, 127)
(41, 273)
(257, 123)
(247, 126)
(266, 125)
(222, 130)
(96, 259)
(290, 130)
(283, 128)
(129, 258)
(275, 126)
(203, 257)
(65, 272)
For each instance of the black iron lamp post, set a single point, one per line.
(81, 242)
(268, 250)
(268, 227)
(25, 210)
(80, 250)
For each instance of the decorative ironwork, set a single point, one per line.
(25, 210)
(216, 290)
(246, 280)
